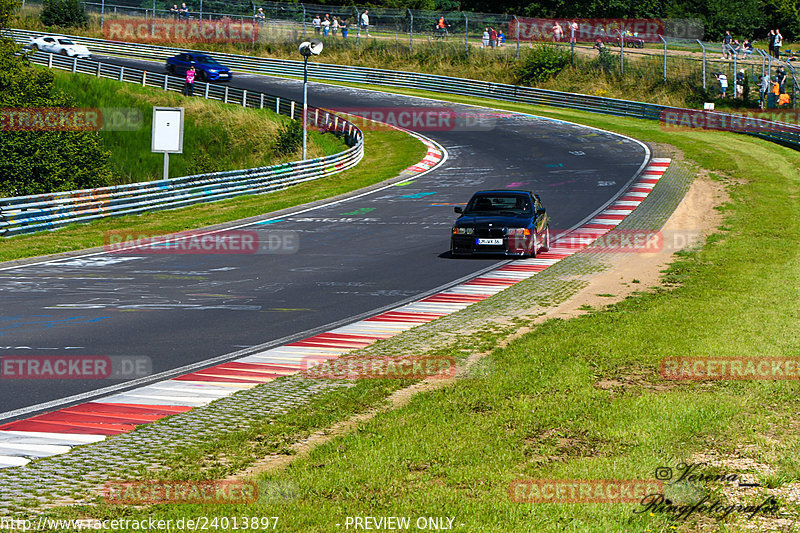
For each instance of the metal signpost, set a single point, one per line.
(167, 133)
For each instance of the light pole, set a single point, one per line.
(307, 49)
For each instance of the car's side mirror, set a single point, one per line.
(458, 210)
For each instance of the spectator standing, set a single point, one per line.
(723, 84)
(558, 32)
(174, 11)
(317, 22)
(771, 37)
(326, 25)
(188, 87)
(365, 21)
(740, 84)
(776, 48)
(184, 11)
(441, 27)
(780, 77)
(492, 37)
(726, 45)
(335, 26)
(343, 26)
(763, 90)
(260, 15)
(485, 41)
(573, 31)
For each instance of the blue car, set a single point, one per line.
(507, 222)
(208, 69)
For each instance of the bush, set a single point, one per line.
(289, 138)
(543, 63)
(64, 13)
(607, 62)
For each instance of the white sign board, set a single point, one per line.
(168, 130)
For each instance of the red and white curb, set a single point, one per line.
(56, 432)
(432, 158)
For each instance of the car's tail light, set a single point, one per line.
(518, 239)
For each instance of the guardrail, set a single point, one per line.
(26, 214)
(787, 134)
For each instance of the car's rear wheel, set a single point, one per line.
(534, 247)
(64, 53)
(546, 244)
(34, 48)
(201, 75)
(170, 69)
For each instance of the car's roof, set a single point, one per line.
(504, 191)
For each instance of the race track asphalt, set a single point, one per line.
(352, 257)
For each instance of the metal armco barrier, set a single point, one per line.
(26, 214)
(461, 86)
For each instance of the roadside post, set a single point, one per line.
(167, 133)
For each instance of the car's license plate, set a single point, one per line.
(490, 242)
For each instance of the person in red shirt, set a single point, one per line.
(492, 37)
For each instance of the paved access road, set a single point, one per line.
(353, 256)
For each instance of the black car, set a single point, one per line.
(208, 68)
(507, 222)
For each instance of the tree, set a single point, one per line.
(34, 162)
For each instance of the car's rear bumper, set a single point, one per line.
(465, 245)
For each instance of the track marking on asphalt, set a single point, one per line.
(112, 414)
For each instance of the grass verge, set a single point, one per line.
(387, 153)
(217, 136)
(543, 409)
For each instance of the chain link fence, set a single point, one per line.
(676, 54)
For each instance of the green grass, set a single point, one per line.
(216, 136)
(387, 153)
(539, 413)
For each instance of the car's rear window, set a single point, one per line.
(497, 203)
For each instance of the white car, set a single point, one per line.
(59, 45)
